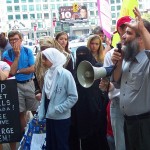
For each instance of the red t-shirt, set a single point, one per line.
(109, 128)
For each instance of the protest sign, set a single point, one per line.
(10, 128)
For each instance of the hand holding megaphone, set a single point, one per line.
(87, 74)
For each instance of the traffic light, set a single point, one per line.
(75, 7)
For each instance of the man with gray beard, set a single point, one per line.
(133, 74)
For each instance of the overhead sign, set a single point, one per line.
(10, 129)
(75, 12)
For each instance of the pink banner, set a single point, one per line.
(104, 13)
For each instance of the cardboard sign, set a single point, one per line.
(10, 128)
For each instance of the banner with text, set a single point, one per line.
(10, 128)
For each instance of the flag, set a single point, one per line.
(126, 10)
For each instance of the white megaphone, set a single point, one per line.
(87, 74)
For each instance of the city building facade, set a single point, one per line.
(46, 17)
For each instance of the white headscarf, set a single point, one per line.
(57, 59)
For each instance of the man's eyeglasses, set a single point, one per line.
(14, 40)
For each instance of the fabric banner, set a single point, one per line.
(104, 13)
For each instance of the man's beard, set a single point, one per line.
(130, 50)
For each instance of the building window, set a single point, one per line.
(30, 0)
(25, 16)
(24, 8)
(23, 1)
(91, 4)
(92, 21)
(117, 1)
(112, 1)
(10, 17)
(45, 1)
(32, 16)
(113, 15)
(92, 13)
(9, 8)
(45, 7)
(16, 1)
(31, 7)
(140, 6)
(8, 1)
(39, 16)
(17, 17)
(37, 0)
(118, 7)
(46, 15)
(40, 24)
(58, 6)
(96, 13)
(38, 7)
(17, 8)
(52, 6)
(54, 15)
(112, 8)
(113, 22)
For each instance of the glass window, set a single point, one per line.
(96, 13)
(58, 0)
(140, 6)
(31, 7)
(17, 8)
(112, 8)
(54, 15)
(45, 7)
(113, 15)
(117, 1)
(91, 4)
(113, 22)
(23, 1)
(10, 17)
(91, 13)
(39, 15)
(30, 0)
(16, 1)
(24, 7)
(40, 24)
(118, 7)
(52, 0)
(8, 1)
(25, 16)
(92, 21)
(45, 0)
(17, 17)
(52, 6)
(37, 0)
(46, 15)
(58, 6)
(9, 8)
(38, 7)
(112, 1)
(32, 16)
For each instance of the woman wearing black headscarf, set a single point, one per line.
(89, 113)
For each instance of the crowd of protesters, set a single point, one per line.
(112, 114)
